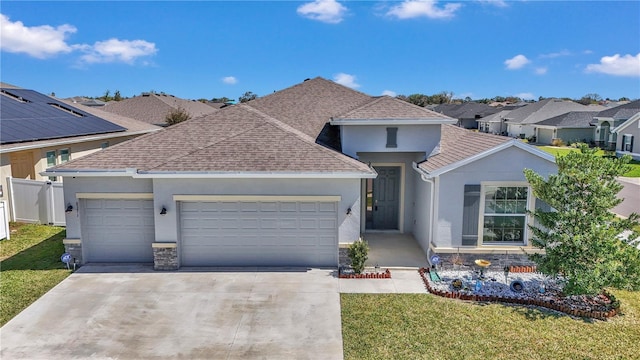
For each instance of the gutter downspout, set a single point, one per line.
(432, 182)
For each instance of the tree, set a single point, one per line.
(580, 235)
(117, 96)
(248, 96)
(590, 99)
(177, 115)
(107, 96)
(223, 99)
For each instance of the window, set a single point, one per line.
(392, 137)
(627, 142)
(52, 160)
(104, 145)
(504, 215)
(64, 156)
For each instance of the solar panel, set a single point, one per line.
(27, 115)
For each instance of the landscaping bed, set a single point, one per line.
(522, 288)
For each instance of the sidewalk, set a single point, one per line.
(401, 282)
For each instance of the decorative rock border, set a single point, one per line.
(522, 269)
(369, 275)
(549, 304)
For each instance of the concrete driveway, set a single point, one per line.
(132, 312)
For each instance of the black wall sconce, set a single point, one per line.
(69, 208)
(349, 211)
(163, 211)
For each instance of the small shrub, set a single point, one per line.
(557, 142)
(176, 116)
(358, 253)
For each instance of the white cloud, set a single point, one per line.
(498, 3)
(346, 80)
(37, 41)
(541, 70)
(328, 11)
(516, 62)
(115, 50)
(587, 52)
(409, 9)
(229, 80)
(556, 54)
(389, 93)
(525, 96)
(627, 65)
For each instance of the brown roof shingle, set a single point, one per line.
(457, 144)
(388, 108)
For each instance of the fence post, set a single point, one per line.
(12, 205)
(49, 202)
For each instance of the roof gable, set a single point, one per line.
(388, 108)
(621, 112)
(573, 119)
(545, 109)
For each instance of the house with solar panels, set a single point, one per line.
(38, 131)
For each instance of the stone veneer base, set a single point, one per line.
(165, 258)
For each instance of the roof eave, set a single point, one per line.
(625, 124)
(136, 174)
(517, 143)
(427, 121)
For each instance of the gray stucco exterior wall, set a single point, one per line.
(504, 166)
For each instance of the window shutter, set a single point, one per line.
(624, 143)
(471, 215)
(630, 149)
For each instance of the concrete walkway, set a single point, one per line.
(394, 251)
(401, 282)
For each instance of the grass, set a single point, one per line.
(561, 151)
(423, 326)
(29, 266)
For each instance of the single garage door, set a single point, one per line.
(545, 136)
(117, 230)
(259, 233)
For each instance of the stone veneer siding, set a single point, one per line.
(498, 261)
(74, 248)
(165, 257)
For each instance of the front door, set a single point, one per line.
(385, 198)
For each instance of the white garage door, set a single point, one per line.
(264, 233)
(116, 230)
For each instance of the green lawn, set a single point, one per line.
(423, 326)
(29, 266)
(561, 151)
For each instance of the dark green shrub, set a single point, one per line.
(358, 253)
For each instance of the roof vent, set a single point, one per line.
(146, 94)
(14, 96)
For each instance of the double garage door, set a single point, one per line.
(258, 233)
(118, 230)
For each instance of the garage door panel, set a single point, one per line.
(262, 233)
(118, 230)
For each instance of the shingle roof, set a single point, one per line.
(234, 139)
(310, 105)
(153, 108)
(545, 109)
(389, 108)
(28, 115)
(468, 110)
(497, 117)
(573, 119)
(457, 144)
(621, 112)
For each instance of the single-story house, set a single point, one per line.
(467, 113)
(627, 135)
(574, 126)
(520, 121)
(39, 131)
(289, 178)
(607, 120)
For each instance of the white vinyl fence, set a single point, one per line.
(4, 221)
(33, 201)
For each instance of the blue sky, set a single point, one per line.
(209, 49)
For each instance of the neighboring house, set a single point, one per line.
(627, 135)
(494, 124)
(86, 101)
(574, 126)
(467, 113)
(520, 121)
(607, 120)
(287, 179)
(38, 131)
(153, 108)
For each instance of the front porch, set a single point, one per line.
(391, 251)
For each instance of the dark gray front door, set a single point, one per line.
(386, 198)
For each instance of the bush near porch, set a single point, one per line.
(422, 326)
(29, 266)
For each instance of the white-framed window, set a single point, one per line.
(65, 155)
(503, 213)
(627, 142)
(52, 160)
